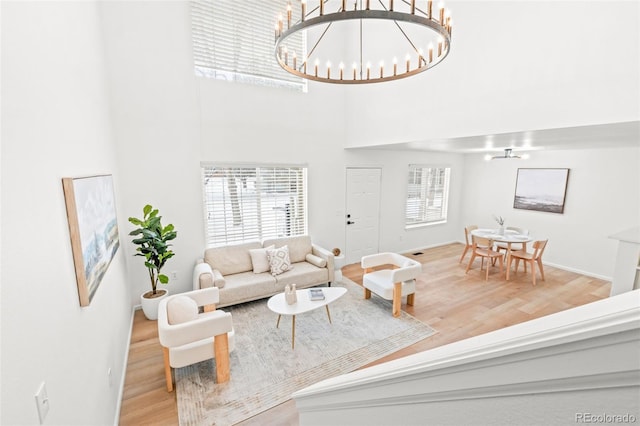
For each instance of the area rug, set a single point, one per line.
(265, 371)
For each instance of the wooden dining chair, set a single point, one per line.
(482, 247)
(467, 235)
(532, 258)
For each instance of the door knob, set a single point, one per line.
(350, 222)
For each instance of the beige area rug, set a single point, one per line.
(265, 371)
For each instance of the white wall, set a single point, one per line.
(603, 198)
(55, 123)
(513, 66)
(166, 121)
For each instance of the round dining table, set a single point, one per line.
(507, 236)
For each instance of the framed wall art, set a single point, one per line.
(542, 190)
(93, 227)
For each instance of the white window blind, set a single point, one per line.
(427, 195)
(247, 203)
(234, 40)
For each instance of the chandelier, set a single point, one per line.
(382, 40)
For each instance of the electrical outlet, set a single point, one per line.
(174, 275)
(42, 402)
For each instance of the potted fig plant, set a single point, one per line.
(152, 240)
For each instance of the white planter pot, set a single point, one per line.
(150, 305)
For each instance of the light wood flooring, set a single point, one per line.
(456, 304)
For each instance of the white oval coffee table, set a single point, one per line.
(279, 305)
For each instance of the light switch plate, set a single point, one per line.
(42, 402)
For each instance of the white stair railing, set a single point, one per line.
(577, 366)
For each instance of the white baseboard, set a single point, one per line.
(116, 421)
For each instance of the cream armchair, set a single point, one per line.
(391, 284)
(188, 336)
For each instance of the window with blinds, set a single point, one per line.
(427, 195)
(248, 203)
(234, 40)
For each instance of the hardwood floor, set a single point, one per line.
(456, 304)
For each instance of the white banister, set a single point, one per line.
(565, 368)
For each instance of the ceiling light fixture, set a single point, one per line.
(413, 30)
(508, 153)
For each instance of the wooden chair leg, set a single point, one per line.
(397, 299)
(221, 350)
(541, 268)
(209, 308)
(167, 369)
(464, 253)
(486, 274)
(509, 260)
(533, 271)
(473, 256)
(501, 265)
(410, 299)
(367, 293)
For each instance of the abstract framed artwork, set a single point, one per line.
(93, 228)
(542, 190)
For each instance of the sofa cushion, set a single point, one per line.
(231, 259)
(181, 309)
(260, 260)
(247, 286)
(299, 246)
(302, 274)
(279, 260)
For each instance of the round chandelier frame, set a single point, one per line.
(441, 25)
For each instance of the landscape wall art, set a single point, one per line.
(93, 227)
(541, 190)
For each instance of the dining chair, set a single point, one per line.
(533, 258)
(482, 247)
(514, 246)
(467, 235)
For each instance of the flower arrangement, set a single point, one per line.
(499, 219)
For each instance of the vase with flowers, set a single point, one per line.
(500, 221)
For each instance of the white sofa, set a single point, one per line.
(231, 269)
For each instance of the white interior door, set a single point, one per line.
(362, 220)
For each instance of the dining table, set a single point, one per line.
(508, 236)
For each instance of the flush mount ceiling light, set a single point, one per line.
(366, 32)
(508, 153)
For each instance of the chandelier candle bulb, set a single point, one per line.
(304, 67)
(395, 66)
(328, 69)
(341, 70)
(391, 5)
(316, 65)
(420, 57)
(355, 68)
(430, 52)
(429, 9)
(289, 15)
(321, 7)
(368, 70)
(381, 69)
(413, 7)
(440, 47)
(408, 62)
(295, 60)
(441, 15)
(286, 56)
(344, 5)
(368, 5)
(303, 7)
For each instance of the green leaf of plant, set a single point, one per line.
(163, 278)
(147, 209)
(135, 221)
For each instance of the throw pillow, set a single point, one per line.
(279, 261)
(260, 260)
(181, 309)
(316, 260)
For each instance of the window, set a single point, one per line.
(246, 203)
(427, 195)
(234, 40)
